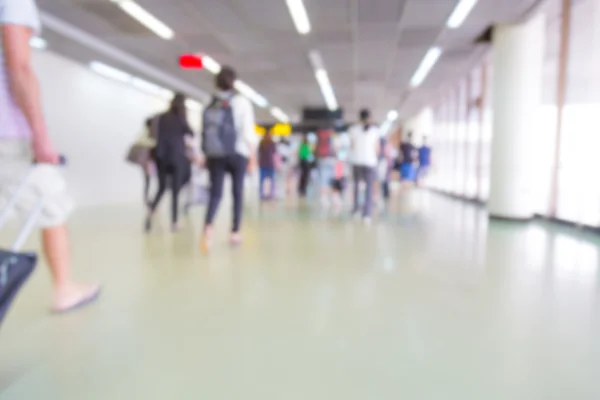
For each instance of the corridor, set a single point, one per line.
(428, 303)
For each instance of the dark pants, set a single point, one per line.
(177, 173)
(217, 167)
(367, 175)
(267, 173)
(305, 168)
(385, 188)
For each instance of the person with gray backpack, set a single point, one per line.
(229, 142)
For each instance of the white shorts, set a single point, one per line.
(46, 182)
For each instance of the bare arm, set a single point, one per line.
(378, 147)
(25, 88)
(249, 131)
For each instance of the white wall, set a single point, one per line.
(93, 121)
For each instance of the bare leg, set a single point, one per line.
(67, 293)
(376, 191)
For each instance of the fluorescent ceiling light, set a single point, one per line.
(145, 18)
(326, 89)
(323, 79)
(280, 115)
(392, 115)
(152, 88)
(210, 64)
(460, 13)
(426, 65)
(299, 15)
(193, 105)
(251, 94)
(110, 72)
(315, 60)
(38, 43)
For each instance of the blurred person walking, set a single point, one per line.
(171, 157)
(338, 185)
(267, 152)
(325, 154)
(364, 153)
(149, 166)
(384, 168)
(24, 137)
(141, 154)
(408, 157)
(286, 170)
(306, 158)
(424, 162)
(229, 143)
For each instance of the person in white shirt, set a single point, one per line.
(24, 137)
(284, 149)
(364, 152)
(235, 164)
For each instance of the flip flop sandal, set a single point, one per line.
(84, 302)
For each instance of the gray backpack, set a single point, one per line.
(218, 129)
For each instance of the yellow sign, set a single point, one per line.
(260, 130)
(276, 130)
(281, 129)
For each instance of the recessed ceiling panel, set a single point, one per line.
(380, 11)
(411, 38)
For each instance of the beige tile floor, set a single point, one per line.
(429, 303)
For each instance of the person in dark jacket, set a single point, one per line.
(171, 157)
(267, 151)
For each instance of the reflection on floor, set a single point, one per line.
(428, 303)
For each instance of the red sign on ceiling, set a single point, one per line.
(190, 61)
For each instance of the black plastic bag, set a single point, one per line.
(15, 269)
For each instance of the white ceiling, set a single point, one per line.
(370, 48)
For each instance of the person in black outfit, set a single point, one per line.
(170, 157)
